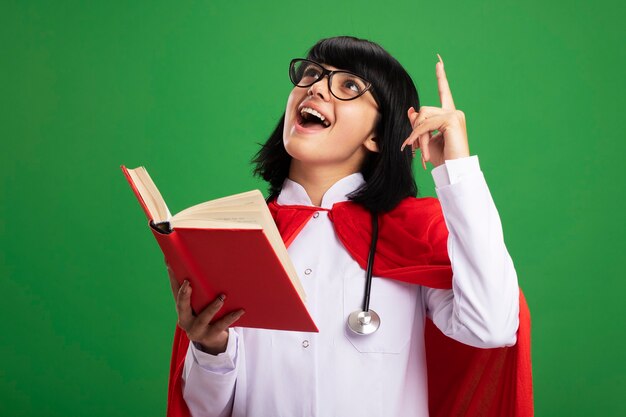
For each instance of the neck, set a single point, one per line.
(316, 180)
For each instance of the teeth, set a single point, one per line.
(315, 113)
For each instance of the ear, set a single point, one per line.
(371, 145)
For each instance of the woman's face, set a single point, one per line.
(344, 142)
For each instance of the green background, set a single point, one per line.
(87, 312)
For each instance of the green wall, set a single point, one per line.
(87, 312)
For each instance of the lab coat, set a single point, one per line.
(337, 373)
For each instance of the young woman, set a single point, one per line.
(342, 152)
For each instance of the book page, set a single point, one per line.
(200, 223)
(247, 208)
(150, 194)
(242, 200)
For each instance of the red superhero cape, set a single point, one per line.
(412, 247)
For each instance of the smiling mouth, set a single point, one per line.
(310, 118)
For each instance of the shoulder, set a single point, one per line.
(413, 207)
(413, 215)
(409, 212)
(416, 208)
(423, 219)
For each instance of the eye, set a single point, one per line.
(310, 73)
(353, 85)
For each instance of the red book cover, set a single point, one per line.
(240, 263)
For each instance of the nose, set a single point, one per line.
(320, 88)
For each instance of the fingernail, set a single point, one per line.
(440, 60)
(222, 297)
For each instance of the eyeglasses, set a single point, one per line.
(342, 84)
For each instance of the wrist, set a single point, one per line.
(215, 349)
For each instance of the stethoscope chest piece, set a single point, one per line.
(363, 322)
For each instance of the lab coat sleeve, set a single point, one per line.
(209, 380)
(482, 308)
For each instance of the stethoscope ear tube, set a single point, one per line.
(366, 321)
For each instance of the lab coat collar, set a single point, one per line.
(292, 193)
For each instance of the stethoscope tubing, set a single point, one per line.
(370, 263)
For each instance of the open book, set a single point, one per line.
(229, 245)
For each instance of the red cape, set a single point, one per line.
(412, 247)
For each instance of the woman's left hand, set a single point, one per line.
(450, 142)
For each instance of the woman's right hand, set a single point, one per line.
(212, 337)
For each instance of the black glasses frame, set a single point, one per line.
(326, 72)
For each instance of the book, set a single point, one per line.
(229, 245)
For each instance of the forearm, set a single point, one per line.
(209, 380)
(482, 309)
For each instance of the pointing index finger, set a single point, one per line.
(445, 95)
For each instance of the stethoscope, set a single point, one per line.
(365, 321)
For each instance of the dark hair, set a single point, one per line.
(388, 174)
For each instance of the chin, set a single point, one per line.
(303, 150)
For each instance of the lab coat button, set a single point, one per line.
(305, 344)
(316, 215)
(308, 271)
